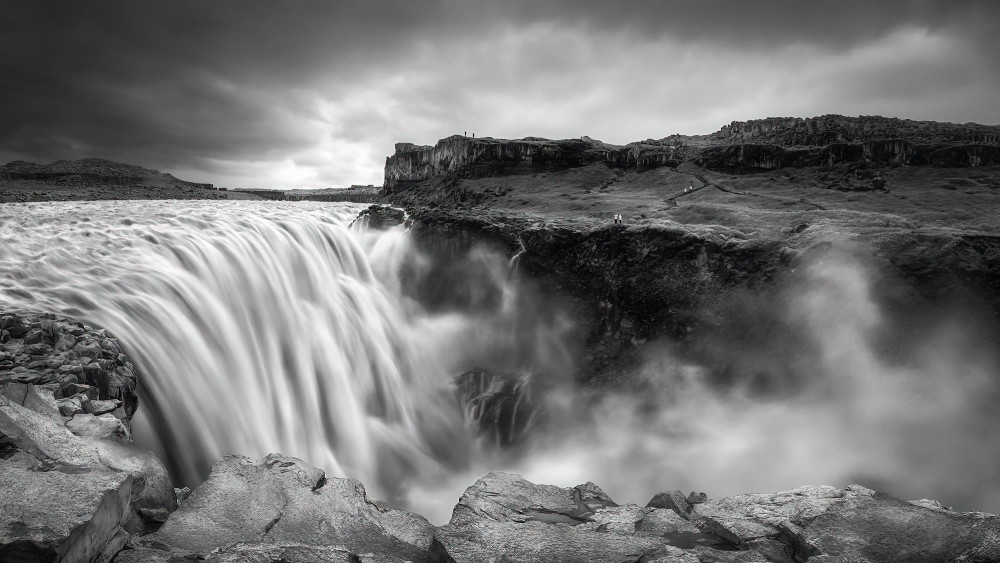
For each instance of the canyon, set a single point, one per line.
(768, 284)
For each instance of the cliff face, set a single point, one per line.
(92, 170)
(465, 157)
(831, 129)
(709, 217)
(742, 146)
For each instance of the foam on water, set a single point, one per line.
(256, 328)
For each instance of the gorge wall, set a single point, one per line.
(669, 267)
(748, 146)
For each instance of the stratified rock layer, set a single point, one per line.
(767, 144)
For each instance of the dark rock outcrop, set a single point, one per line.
(381, 217)
(750, 146)
(830, 129)
(280, 505)
(71, 489)
(497, 404)
(353, 194)
(464, 157)
(79, 370)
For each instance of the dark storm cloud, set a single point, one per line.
(316, 92)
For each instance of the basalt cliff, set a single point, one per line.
(744, 146)
(706, 218)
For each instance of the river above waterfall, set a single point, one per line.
(261, 327)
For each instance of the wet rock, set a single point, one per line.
(497, 404)
(283, 501)
(381, 217)
(182, 494)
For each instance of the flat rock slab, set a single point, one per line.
(282, 502)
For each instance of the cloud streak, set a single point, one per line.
(315, 93)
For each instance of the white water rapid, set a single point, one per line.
(256, 328)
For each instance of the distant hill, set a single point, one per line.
(97, 179)
(92, 170)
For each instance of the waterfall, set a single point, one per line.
(256, 328)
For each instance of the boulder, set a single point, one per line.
(281, 503)
(381, 217)
(504, 517)
(63, 497)
(103, 426)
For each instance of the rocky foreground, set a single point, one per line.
(73, 489)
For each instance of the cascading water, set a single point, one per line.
(257, 328)
(262, 327)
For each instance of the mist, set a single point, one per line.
(850, 392)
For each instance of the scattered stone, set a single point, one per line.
(381, 217)
(497, 404)
(13, 325)
(100, 407)
(70, 406)
(34, 336)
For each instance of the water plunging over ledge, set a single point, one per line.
(278, 327)
(256, 328)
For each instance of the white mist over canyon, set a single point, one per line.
(279, 327)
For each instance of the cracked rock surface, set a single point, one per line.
(282, 507)
(504, 517)
(70, 487)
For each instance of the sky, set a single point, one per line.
(314, 94)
